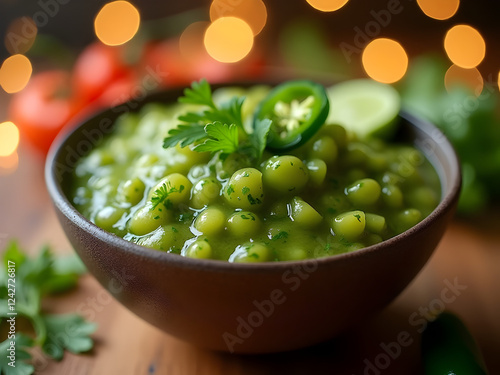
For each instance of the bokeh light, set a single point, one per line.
(191, 40)
(465, 46)
(327, 5)
(8, 164)
(228, 39)
(470, 78)
(439, 9)
(253, 12)
(385, 60)
(117, 23)
(20, 35)
(9, 138)
(15, 73)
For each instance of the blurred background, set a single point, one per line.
(62, 60)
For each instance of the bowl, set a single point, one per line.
(249, 308)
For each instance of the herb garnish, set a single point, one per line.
(217, 129)
(281, 235)
(35, 278)
(161, 194)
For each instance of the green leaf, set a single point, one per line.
(67, 332)
(22, 356)
(184, 135)
(258, 138)
(69, 264)
(233, 111)
(223, 138)
(14, 254)
(199, 93)
(161, 194)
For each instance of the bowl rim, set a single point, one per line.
(61, 202)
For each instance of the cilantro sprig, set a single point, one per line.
(36, 278)
(217, 128)
(161, 194)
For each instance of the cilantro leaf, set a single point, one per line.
(223, 138)
(161, 194)
(36, 277)
(68, 331)
(258, 138)
(217, 128)
(280, 235)
(184, 134)
(22, 356)
(233, 111)
(199, 93)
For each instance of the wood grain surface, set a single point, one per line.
(468, 257)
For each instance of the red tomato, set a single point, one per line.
(96, 68)
(43, 108)
(165, 60)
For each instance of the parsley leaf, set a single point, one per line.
(199, 93)
(184, 134)
(217, 128)
(36, 277)
(68, 331)
(21, 366)
(258, 138)
(161, 194)
(280, 235)
(223, 138)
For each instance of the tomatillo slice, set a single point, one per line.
(365, 107)
(297, 109)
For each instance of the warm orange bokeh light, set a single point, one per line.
(327, 5)
(15, 73)
(191, 40)
(8, 164)
(228, 39)
(117, 23)
(465, 46)
(385, 60)
(9, 138)
(439, 9)
(457, 76)
(20, 35)
(253, 12)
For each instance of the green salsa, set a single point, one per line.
(332, 194)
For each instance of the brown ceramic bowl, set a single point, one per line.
(250, 308)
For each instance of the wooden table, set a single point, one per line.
(469, 256)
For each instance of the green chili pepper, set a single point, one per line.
(298, 109)
(449, 349)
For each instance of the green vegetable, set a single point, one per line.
(219, 127)
(34, 279)
(297, 109)
(448, 348)
(335, 189)
(365, 107)
(223, 138)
